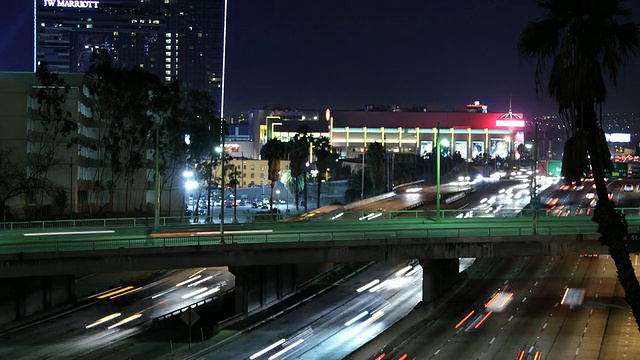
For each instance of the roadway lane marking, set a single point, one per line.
(545, 325)
(492, 340)
(510, 317)
(436, 353)
(577, 351)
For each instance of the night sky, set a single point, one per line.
(346, 54)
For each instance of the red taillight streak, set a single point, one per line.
(465, 318)
(184, 233)
(403, 357)
(381, 356)
(482, 320)
(520, 355)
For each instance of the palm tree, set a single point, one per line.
(583, 40)
(376, 157)
(233, 173)
(322, 149)
(273, 151)
(298, 149)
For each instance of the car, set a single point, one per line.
(265, 206)
(217, 202)
(282, 202)
(628, 187)
(188, 212)
(254, 205)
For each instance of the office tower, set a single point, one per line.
(181, 39)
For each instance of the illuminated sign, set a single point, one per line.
(89, 4)
(510, 123)
(618, 137)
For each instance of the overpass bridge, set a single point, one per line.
(257, 250)
(256, 253)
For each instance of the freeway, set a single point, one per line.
(334, 324)
(114, 315)
(544, 308)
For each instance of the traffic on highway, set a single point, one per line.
(347, 318)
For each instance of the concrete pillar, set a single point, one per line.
(257, 287)
(27, 296)
(437, 277)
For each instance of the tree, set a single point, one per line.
(377, 159)
(233, 174)
(203, 128)
(354, 186)
(584, 40)
(273, 151)
(128, 107)
(322, 149)
(56, 128)
(298, 149)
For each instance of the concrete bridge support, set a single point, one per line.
(438, 275)
(22, 297)
(257, 287)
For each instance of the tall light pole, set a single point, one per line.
(156, 218)
(438, 153)
(220, 150)
(364, 150)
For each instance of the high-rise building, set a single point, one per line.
(181, 39)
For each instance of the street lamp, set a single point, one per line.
(438, 154)
(278, 196)
(156, 217)
(364, 149)
(220, 150)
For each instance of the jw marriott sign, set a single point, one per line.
(89, 4)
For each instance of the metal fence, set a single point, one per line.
(512, 228)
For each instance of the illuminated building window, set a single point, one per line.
(115, 33)
(167, 78)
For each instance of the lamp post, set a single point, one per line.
(362, 180)
(156, 218)
(438, 154)
(220, 150)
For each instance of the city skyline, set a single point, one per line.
(347, 55)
